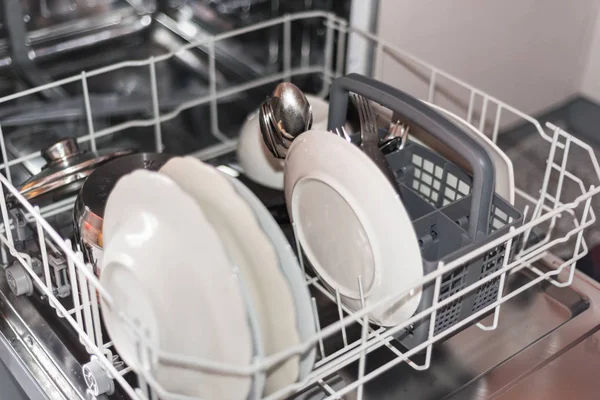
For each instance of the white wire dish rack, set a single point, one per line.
(423, 80)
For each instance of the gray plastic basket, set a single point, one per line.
(452, 212)
(437, 196)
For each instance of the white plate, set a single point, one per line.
(505, 177)
(305, 318)
(165, 267)
(352, 223)
(256, 160)
(252, 252)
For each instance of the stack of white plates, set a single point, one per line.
(196, 263)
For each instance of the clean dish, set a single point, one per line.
(166, 269)
(259, 378)
(351, 222)
(505, 177)
(256, 160)
(252, 254)
(305, 318)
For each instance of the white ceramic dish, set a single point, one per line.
(258, 379)
(251, 252)
(165, 268)
(505, 177)
(254, 157)
(305, 319)
(351, 222)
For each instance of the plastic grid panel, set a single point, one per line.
(489, 292)
(431, 181)
(486, 294)
(455, 189)
(448, 316)
(427, 179)
(492, 262)
(451, 283)
(499, 219)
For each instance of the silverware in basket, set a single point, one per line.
(370, 139)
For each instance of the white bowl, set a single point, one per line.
(254, 157)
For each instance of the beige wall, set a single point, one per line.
(529, 53)
(590, 82)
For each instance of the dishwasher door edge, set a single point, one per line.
(24, 351)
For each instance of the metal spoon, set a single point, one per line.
(284, 116)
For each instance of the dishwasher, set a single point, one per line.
(188, 92)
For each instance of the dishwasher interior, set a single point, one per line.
(181, 78)
(93, 35)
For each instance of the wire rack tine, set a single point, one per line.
(363, 339)
(318, 326)
(496, 316)
(338, 301)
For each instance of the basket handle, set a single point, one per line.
(434, 123)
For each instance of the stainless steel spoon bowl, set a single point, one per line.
(284, 116)
(291, 110)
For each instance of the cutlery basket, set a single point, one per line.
(452, 212)
(437, 195)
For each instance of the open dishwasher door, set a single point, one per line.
(10, 385)
(546, 346)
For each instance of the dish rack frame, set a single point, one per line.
(541, 210)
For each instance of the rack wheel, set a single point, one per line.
(97, 380)
(18, 280)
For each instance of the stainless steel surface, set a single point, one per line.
(66, 169)
(60, 150)
(284, 116)
(124, 94)
(231, 57)
(51, 13)
(36, 354)
(60, 26)
(291, 110)
(268, 130)
(540, 332)
(369, 139)
(10, 387)
(572, 374)
(88, 214)
(188, 58)
(236, 6)
(104, 106)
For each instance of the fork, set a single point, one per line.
(370, 139)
